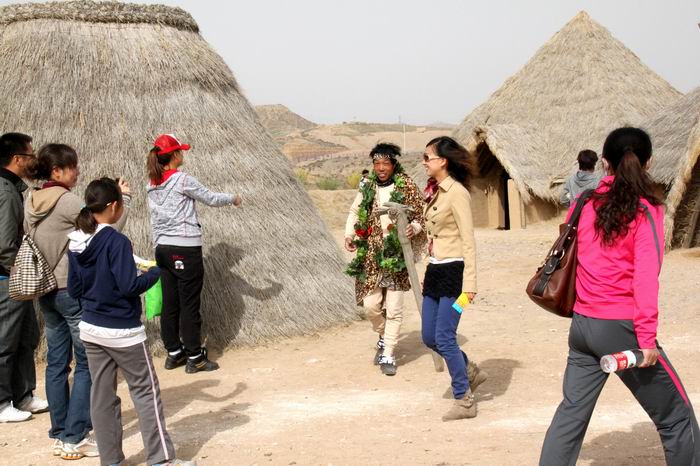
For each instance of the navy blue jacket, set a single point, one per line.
(103, 277)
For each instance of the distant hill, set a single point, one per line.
(280, 121)
(442, 124)
(303, 140)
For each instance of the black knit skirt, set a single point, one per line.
(443, 280)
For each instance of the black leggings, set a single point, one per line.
(182, 276)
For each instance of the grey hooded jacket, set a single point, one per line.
(173, 213)
(577, 184)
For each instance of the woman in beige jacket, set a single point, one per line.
(452, 267)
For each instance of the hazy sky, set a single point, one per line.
(426, 61)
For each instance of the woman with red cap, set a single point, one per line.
(177, 236)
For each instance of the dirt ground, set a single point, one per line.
(319, 399)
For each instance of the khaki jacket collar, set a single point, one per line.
(447, 183)
(445, 186)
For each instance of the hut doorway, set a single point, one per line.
(503, 205)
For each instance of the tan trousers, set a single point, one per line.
(388, 327)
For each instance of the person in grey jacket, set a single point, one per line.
(585, 178)
(19, 331)
(177, 236)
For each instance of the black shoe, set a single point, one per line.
(380, 343)
(200, 364)
(380, 351)
(172, 362)
(387, 365)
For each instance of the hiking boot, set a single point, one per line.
(8, 413)
(57, 447)
(87, 447)
(388, 365)
(464, 408)
(177, 463)
(200, 364)
(476, 376)
(33, 404)
(173, 362)
(380, 350)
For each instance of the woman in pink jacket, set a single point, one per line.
(620, 251)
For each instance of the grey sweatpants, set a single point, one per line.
(105, 406)
(658, 389)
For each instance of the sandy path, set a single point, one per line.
(319, 400)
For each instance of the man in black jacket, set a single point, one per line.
(19, 332)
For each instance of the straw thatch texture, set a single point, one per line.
(578, 87)
(100, 12)
(675, 134)
(109, 87)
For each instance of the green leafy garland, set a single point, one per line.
(390, 258)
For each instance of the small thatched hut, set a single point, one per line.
(675, 133)
(107, 77)
(526, 136)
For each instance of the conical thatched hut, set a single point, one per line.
(573, 91)
(107, 77)
(675, 134)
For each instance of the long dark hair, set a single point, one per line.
(626, 150)
(98, 195)
(156, 164)
(54, 156)
(460, 163)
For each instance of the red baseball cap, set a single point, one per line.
(167, 143)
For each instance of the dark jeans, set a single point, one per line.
(439, 331)
(19, 338)
(69, 409)
(657, 388)
(182, 277)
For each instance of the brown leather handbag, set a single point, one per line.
(553, 287)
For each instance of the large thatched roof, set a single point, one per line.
(675, 133)
(578, 87)
(107, 78)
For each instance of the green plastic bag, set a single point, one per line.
(154, 301)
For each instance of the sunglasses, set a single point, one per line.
(427, 158)
(27, 155)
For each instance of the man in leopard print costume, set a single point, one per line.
(380, 274)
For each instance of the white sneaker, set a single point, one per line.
(177, 463)
(75, 451)
(57, 447)
(8, 413)
(33, 404)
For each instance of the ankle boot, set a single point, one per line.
(476, 376)
(464, 408)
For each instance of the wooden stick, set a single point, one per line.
(398, 214)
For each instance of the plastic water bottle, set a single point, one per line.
(621, 361)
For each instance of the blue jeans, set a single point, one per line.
(69, 409)
(439, 332)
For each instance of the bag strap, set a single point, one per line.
(558, 249)
(656, 235)
(580, 204)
